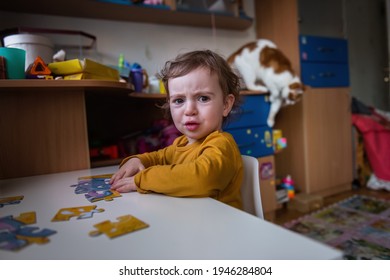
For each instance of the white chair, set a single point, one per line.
(250, 188)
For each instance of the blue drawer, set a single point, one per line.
(325, 75)
(254, 141)
(253, 112)
(323, 49)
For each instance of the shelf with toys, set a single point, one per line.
(126, 11)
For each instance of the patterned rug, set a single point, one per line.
(359, 226)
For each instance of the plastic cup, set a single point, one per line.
(14, 62)
(137, 79)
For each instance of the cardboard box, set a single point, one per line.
(76, 66)
(306, 202)
(85, 76)
(267, 183)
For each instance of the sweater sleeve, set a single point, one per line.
(211, 170)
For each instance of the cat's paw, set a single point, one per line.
(262, 88)
(273, 98)
(257, 88)
(270, 122)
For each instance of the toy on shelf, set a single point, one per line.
(288, 184)
(280, 142)
(38, 70)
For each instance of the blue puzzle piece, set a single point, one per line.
(15, 235)
(9, 241)
(93, 196)
(10, 200)
(95, 184)
(95, 189)
(35, 232)
(8, 223)
(9, 203)
(88, 215)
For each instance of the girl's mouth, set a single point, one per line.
(191, 126)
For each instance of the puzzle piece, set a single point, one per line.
(34, 232)
(9, 242)
(10, 200)
(15, 235)
(125, 224)
(101, 176)
(96, 184)
(9, 224)
(96, 188)
(81, 212)
(107, 195)
(27, 218)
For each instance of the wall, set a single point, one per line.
(321, 18)
(365, 28)
(148, 44)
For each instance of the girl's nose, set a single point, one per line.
(190, 108)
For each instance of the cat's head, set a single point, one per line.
(296, 89)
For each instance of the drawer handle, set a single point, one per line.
(325, 49)
(250, 144)
(241, 112)
(327, 74)
(247, 111)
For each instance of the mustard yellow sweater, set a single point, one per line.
(208, 168)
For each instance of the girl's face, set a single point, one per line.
(197, 104)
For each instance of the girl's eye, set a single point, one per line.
(177, 101)
(204, 98)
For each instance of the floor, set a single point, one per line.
(283, 214)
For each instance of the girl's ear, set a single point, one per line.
(228, 104)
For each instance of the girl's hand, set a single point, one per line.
(129, 169)
(126, 184)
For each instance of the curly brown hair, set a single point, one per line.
(187, 62)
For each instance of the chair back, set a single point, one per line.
(250, 188)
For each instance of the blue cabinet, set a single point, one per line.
(249, 127)
(324, 61)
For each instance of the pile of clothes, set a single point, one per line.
(374, 128)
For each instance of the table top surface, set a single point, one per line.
(179, 228)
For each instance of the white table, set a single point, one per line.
(180, 228)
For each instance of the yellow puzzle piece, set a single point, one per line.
(27, 218)
(125, 224)
(81, 212)
(101, 176)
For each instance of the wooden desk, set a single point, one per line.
(43, 125)
(180, 228)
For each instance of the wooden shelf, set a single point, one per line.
(148, 95)
(163, 96)
(96, 85)
(110, 11)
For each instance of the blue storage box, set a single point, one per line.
(254, 141)
(253, 112)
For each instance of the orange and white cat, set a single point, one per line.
(262, 62)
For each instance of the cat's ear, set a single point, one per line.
(228, 104)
